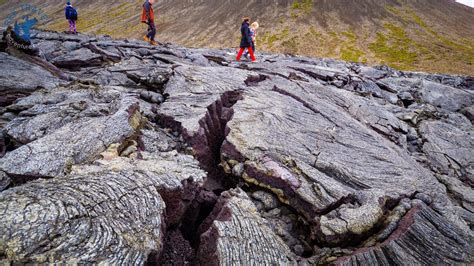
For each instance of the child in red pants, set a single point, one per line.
(246, 41)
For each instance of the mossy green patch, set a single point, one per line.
(314, 32)
(440, 47)
(395, 48)
(394, 10)
(305, 6)
(290, 46)
(271, 39)
(346, 43)
(352, 54)
(351, 36)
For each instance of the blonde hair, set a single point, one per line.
(255, 25)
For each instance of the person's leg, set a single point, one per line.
(252, 56)
(147, 35)
(74, 28)
(148, 30)
(71, 25)
(247, 52)
(239, 55)
(152, 31)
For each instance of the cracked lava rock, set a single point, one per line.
(117, 152)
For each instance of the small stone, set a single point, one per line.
(238, 169)
(111, 152)
(298, 249)
(8, 116)
(406, 96)
(225, 166)
(338, 83)
(268, 199)
(274, 213)
(232, 162)
(151, 96)
(412, 134)
(469, 113)
(424, 197)
(417, 202)
(81, 105)
(157, 98)
(4, 181)
(405, 203)
(129, 150)
(260, 207)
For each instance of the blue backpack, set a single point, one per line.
(73, 13)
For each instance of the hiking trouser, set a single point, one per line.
(253, 48)
(151, 30)
(241, 51)
(72, 26)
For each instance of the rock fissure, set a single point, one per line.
(172, 155)
(304, 103)
(206, 145)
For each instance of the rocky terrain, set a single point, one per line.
(422, 35)
(117, 152)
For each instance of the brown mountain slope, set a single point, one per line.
(428, 35)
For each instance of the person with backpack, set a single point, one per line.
(253, 35)
(148, 17)
(71, 16)
(246, 40)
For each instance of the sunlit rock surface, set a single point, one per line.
(114, 151)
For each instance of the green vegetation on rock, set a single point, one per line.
(425, 36)
(394, 48)
(303, 5)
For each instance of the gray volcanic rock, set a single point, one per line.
(469, 113)
(148, 73)
(19, 78)
(422, 236)
(45, 112)
(108, 213)
(78, 58)
(315, 173)
(74, 143)
(157, 140)
(445, 97)
(205, 85)
(449, 148)
(238, 235)
(4, 181)
(166, 154)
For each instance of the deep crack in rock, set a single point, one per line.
(307, 161)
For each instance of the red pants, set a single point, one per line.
(241, 51)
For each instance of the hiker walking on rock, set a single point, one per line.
(71, 16)
(246, 41)
(253, 35)
(148, 17)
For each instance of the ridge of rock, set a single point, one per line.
(115, 151)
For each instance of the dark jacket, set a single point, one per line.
(246, 40)
(69, 12)
(148, 15)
